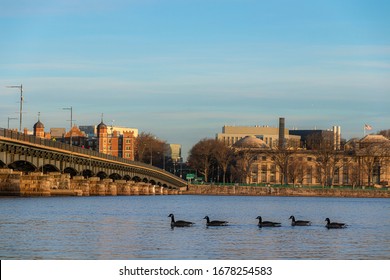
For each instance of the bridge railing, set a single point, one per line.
(60, 145)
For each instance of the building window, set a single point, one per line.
(264, 173)
(336, 176)
(273, 174)
(309, 175)
(345, 175)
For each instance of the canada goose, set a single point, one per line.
(215, 222)
(334, 225)
(299, 222)
(179, 223)
(267, 223)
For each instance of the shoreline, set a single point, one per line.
(285, 191)
(57, 184)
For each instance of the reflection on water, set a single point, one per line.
(137, 227)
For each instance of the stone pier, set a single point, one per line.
(15, 183)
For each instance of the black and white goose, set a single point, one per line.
(299, 222)
(267, 223)
(179, 223)
(334, 225)
(215, 223)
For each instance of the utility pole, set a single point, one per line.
(21, 105)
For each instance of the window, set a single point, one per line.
(264, 173)
(309, 175)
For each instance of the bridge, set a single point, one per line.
(26, 153)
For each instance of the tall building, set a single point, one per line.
(314, 139)
(173, 152)
(120, 143)
(102, 138)
(270, 135)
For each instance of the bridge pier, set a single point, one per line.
(15, 183)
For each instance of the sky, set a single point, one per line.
(182, 69)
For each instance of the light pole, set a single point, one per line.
(152, 139)
(21, 105)
(71, 121)
(9, 120)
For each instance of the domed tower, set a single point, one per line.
(39, 128)
(102, 136)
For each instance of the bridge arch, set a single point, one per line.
(22, 165)
(87, 173)
(127, 178)
(70, 170)
(115, 176)
(102, 175)
(137, 179)
(48, 168)
(2, 164)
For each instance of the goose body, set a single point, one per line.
(334, 225)
(299, 222)
(179, 223)
(267, 223)
(215, 222)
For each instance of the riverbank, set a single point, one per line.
(14, 183)
(286, 191)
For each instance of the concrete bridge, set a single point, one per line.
(28, 154)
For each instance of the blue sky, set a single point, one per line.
(181, 69)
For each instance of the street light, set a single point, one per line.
(21, 105)
(9, 120)
(71, 121)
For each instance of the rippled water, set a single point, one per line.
(137, 227)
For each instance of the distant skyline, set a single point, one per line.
(183, 69)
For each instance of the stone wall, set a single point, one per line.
(285, 191)
(14, 183)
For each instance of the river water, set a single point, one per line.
(138, 227)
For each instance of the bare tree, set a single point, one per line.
(224, 156)
(244, 158)
(297, 168)
(328, 162)
(281, 157)
(149, 149)
(201, 156)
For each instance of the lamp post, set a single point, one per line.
(21, 105)
(71, 121)
(9, 120)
